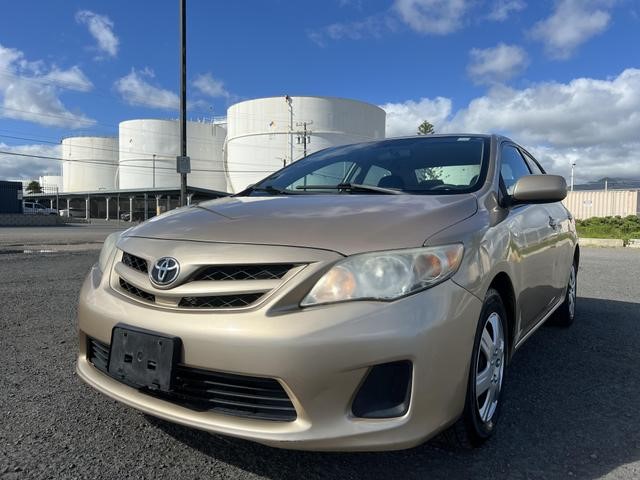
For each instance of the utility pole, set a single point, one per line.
(289, 101)
(573, 165)
(183, 164)
(304, 135)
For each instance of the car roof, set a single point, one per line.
(491, 136)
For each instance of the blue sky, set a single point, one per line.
(561, 76)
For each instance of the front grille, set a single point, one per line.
(205, 390)
(137, 263)
(220, 301)
(133, 290)
(243, 272)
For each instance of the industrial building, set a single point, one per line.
(135, 172)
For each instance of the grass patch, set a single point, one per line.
(610, 227)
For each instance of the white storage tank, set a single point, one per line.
(265, 133)
(148, 150)
(51, 183)
(90, 163)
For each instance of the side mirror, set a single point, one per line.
(539, 189)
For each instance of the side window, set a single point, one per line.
(375, 174)
(512, 167)
(533, 165)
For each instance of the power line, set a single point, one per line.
(104, 164)
(150, 154)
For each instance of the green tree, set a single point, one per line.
(34, 187)
(425, 128)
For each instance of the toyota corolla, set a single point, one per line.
(366, 297)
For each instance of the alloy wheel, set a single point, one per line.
(490, 367)
(571, 293)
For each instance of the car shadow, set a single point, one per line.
(571, 409)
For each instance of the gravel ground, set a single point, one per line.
(572, 411)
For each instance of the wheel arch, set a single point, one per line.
(504, 286)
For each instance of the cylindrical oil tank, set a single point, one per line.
(90, 163)
(266, 133)
(148, 150)
(51, 183)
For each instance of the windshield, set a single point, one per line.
(424, 165)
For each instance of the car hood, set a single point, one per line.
(346, 224)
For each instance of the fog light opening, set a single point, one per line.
(385, 392)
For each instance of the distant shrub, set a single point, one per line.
(610, 227)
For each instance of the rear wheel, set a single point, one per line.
(565, 315)
(486, 378)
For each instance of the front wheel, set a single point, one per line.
(486, 377)
(565, 315)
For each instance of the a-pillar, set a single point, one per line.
(158, 197)
(87, 214)
(107, 199)
(189, 196)
(131, 209)
(68, 212)
(51, 203)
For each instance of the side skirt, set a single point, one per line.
(539, 324)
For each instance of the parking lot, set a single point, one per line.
(573, 397)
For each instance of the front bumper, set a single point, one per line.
(320, 356)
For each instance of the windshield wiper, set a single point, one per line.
(352, 187)
(271, 189)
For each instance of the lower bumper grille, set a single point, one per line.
(205, 390)
(221, 301)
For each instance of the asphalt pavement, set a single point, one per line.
(572, 398)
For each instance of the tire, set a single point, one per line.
(482, 411)
(565, 315)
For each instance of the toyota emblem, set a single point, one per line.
(164, 271)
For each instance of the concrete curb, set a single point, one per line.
(77, 247)
(601, 242)
(634, 243)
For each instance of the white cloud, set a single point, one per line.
(572, 23)
(373, 26)
(583, 112)
(136, 90)
(437, 17)
(207, 85)
(30, 91)
(404, 118)
(71, 79)
(501, 10)
(496, 64)
(17, 167)
(101, 28)
(596, 122)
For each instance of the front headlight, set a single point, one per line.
(108, 248)
(385, 275)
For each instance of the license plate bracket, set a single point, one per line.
(142, 358)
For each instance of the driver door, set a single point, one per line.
(532, 242)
